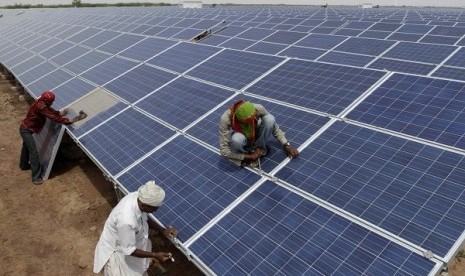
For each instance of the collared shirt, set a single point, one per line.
(225, 132)
(37, 114)
(125, 230)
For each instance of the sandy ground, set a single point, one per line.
(52, 229)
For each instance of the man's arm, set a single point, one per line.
(168, 232)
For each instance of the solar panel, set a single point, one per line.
(448, 31)
(405, 37)
(83, 35)
(346, 58)
(277, 232)
(407, 188)
(108, 70)
(323, 87)
(255, 33)
(69, 55)
(120, 43)
(321, 41)
(429, 53)
(374, 34)
(450, 73)
(301, 52)
(52, 80)
(85, 62)
(181, 102)
(36, 73)
(27, 64)
(266, 48)
(285, 37)
(70, 91)
(117, 144)
(365, 46)
(448, 40)
(458, 59)
(100, 39)
(183, 56)
(418, 106)
(147, 48)
(196, 191)
(233, 68)
(139, 82)
(402, 66)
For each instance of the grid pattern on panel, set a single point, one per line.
(100, 38)
(188, 34)
(49, 81)
(27, 64)
(346, 58)
(277, 232)
(183, 101)
(323, 87)
(297, 125)
(85, 62)
(423, 107)
(384, 27)
(458, 59)
(83, 35)
(405, 37)
(57, 49)
(198, 184)
(448, 40)
(70, 91)
(36, 73)
(237, 43)
(69, 55)
(321, 41)
(375, 34)
(139, 82)
(124, 139)
(415, 29)
(108, 70)
(234, 69)
(266, 48)
(402, 66)
(412, 190)
(348, 32)
(120, 43)
(364, 46)
(429, 53)
(285, 37)
(448, 31)
(255, 33)
(214, 40)
(147, 48)
(17, 58)
(301, 52)
(183, 56)
(450, 73)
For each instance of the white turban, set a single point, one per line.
(151, 194)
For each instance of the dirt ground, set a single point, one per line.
(52, 229)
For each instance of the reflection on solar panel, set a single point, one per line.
(380, 177)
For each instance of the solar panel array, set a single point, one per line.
(373, 98)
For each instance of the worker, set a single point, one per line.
(124, 247)
(33, 123)
(245, 128)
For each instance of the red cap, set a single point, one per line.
(47, 96)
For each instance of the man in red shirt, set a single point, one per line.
(35, 119)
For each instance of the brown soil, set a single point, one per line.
(52, 229)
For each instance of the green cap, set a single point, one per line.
(245, 111)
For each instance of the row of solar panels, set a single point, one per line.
(379, 179)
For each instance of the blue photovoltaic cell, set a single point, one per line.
(323, 87)
(139, 82)
(70, 91)
(348, 32)
(321, 41)
(410, 189)
(231, 31)
(449, 40)
(147, 48)
(458, 59)
(298, 126)
(69, 32)
(346, 58)
(44, 44)
(448, 31)
(36, 73)
(280, 27)
(83, 35)
(169, 32)
(384, 27)
(100, 38)
(233, 68)
(461, 42)
(277, 232)
(108, 70)
(237, 43)
(266, 48)
(94, 121)
(188, 34)
(26, 65)
(285, 37)
(301, 52)
(140, 29)
(85, 62)
(185, 23)
(198, 184)
(205, 24)
(255, 33)
(450, 73)
(415, 29)
(365, 46)
(154, 30)
(124, 139)
(423, 107)
(120, 43)
(402, 66)
(429, 53)
(49, 81)
(214, 40)
(19, 57)
(69, 55)
(183, 101)
(302, 29)
(405, 37)
(183, 56)
(361, 25)
(57, 49)
(375, 34)
(323, 30)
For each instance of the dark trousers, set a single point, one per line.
(29, 154)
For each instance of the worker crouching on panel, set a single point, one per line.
(33, 123)
(124, 247)
(244, 131)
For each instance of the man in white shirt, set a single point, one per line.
(124, 247)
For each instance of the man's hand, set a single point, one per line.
(256, 154)
(82, 115)
(64, 112)
(170, 232)
(291, 151)
(162, 256)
